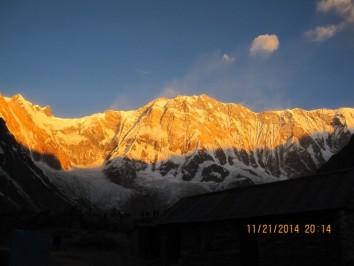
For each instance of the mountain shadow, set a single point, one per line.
(23, 186)
(213, 167)
(341, 160)
(289, 160)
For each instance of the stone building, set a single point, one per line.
(303, 221)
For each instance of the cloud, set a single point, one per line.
(322, 33)
(203, 73)
(213, 62)
(264, 44)
(257, 84)
(227, 58)
(343, 9)
(142, 71)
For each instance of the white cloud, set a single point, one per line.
(227, 58)
(142, 71)
(327, 5)
(264, 44)
(343, 9)
(322, 33)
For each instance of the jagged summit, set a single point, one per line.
(192, 99)
(187, 137)
(19, 97)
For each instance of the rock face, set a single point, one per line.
(23, 186)
(192, 138)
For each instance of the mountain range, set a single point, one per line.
(186, 141)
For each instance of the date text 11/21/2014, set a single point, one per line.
(289, 229)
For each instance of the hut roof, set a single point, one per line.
(312, 193)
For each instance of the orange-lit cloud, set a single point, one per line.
(264, 44)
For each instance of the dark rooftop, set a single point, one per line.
(312, 193)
